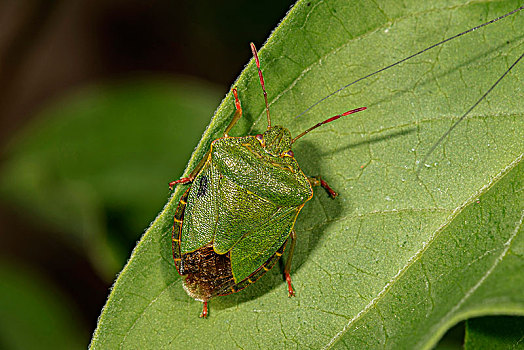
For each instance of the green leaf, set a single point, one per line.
(502, 332)
(395, 260)
(95, 164)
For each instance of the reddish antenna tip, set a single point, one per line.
(254, 51)
(255, 54)
(353, 111)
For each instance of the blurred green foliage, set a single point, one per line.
(498, 332)
(95, 165)
(34, 314)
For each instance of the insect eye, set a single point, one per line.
(260, 138)
(288, 154)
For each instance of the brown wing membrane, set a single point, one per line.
(207, 273)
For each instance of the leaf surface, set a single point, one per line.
(395, 260)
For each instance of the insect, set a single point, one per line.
(234, 221)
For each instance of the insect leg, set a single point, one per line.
(193, 174)
(237, 115)
(287, 267)
(195, 171)
(204, 309)
(317, 181)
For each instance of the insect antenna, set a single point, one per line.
(407, 58)
(446, 134)
(254, 50)
(329, 120)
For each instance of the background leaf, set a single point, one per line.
(503, 332)
(34, 315)
(93, 169)
(395, 260)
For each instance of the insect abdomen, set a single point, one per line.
(208, 273)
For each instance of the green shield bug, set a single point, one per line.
(234, 221)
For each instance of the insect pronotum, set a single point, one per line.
(234, 221)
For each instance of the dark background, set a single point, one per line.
(49, 48)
